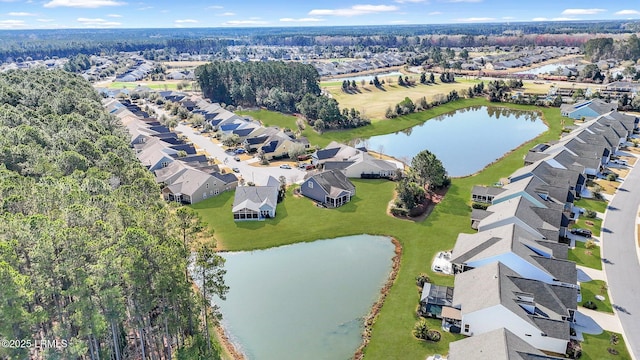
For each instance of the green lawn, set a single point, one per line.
(154, 85)
(592, 204)
(299, 220)
(586, 257)
(589, 291)
(595, 347)
(595, 225)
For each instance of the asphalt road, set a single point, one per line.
(620, 257)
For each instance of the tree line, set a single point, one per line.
(89, 252)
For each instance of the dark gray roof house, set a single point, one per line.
(331, 188)
(494, 296)
(499, 344)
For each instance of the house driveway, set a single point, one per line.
(620, 258)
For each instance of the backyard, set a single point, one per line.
(298, 220)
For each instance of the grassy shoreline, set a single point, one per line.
(299, 220)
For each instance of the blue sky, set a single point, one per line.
(51, 14)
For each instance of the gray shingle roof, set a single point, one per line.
(500, 344)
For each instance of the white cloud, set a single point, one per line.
(245, 22)
(186, 21)
(12, 24)
(464, 1)
(301, 20)
(21, 13)
(539, 19)
(628, 12)
(409, 1)
(354, 10)
(82, 3)
(565, 19)
(508, 18)
(114, 15)
(435, 13)
(216, 7)
(97, 22)
(476, 19)
(228, 13)
(145, 8)
(45, 20)
(582, 11)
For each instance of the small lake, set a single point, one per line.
(466, 140)
(304, 301)
(367, 78)
(546, 69)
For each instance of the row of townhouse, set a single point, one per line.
(273, 142)
(515, 293)
(186, 176)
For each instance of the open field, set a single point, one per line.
(299, 220)
(595, 347)
(586, 257)
(373, 102)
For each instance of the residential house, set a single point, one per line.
(493, 297)
(330, 188)
(542, 222)
(529, 256)
(499, 344)
(192, 186)
(587, 109)
(256, 202)
(354, 162)
(277, 146)
(433, 298)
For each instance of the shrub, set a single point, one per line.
(399, 211)
(612, 351)
(590, 305)
(434, 335)
(590, 214)
(574, 349)
(417, 210)
(613, 339)
(612, 177)
(590, 244)
(480, 206)
(422, 279)
(421, 330)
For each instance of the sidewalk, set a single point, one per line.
(587, 274)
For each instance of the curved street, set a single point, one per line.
(620, 258)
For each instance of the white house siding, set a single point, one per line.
(493, 318)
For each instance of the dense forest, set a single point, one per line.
(606, 48)
(90, 255)
(42, 44)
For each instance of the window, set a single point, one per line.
(216, 192)
(207, 185)
(165, 163)
(466, 328)
(310, 185)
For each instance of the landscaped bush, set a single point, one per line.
(398, 211)
(421, 330)
(590, 214)
(614, 339)
(422, 279)
(590, 244)
(574, 349)
(612, 177)
(590, 305)
(417, 210)
(434, 335)
(612, 351)
(480, 206)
